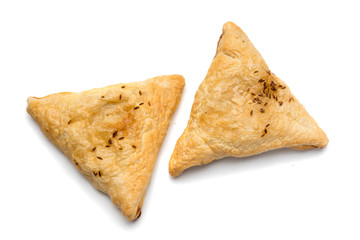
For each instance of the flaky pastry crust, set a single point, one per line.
(112, 134)
(242, 109)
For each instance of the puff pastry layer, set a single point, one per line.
(241, 109)
(112, 134)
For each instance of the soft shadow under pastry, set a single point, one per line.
(242, 109)
(112, 134)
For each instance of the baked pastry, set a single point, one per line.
(112, 134)
(242, 109)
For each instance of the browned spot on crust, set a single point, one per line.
(139, 214)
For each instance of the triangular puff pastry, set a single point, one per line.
(112, 134)
(241, 109)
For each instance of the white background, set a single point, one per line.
(53, 46)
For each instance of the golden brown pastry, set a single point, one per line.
(112, 134)
(241, 109)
